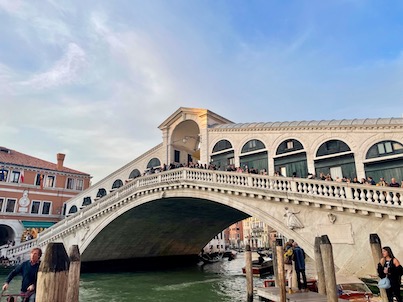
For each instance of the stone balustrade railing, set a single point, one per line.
(254, 184)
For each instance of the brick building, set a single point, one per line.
(32, 193)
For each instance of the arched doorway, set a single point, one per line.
(185, 143)
(254, 156)
(223, 155)
(338, 160)
(134, 174)
(385, 159)
(291, 158)
(6, 234)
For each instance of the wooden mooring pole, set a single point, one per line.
(319, 267)
(280, 269)
(53, 274)
(74, 274)
(376, 249)
(328, 267)
(249, 273)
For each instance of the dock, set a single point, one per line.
(273, 294)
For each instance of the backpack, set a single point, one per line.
(288, 256)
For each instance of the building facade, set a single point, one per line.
(33, 192)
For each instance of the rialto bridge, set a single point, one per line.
(176, 212)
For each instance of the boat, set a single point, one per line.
(311, 283)
(354, 289)
(262, 266)
(349, 288)
(210, 258)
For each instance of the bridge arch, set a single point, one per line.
(290, 157)
(86, 201)
(254, 154)
(73, 209)
(185, 142)
(335, 157)
(385, 159)
(134, 174)
(101, 193)
(117, 184)
(222, 154)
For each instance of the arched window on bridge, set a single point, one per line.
(291, 158)
(101, 193)
(338, 160)
(134, 174)
(390, 163)
(222, 155)
(254, 155)
(86, 201)
(117, 184)
(73, 210)
(153, 163)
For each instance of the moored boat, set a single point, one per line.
(354, 289)
(262, 266)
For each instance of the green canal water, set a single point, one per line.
(221, 282)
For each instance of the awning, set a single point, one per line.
(37, 224)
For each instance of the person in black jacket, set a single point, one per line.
(390, 267)
(29, 271)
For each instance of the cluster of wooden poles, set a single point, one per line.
(59, 274)
(324, 267)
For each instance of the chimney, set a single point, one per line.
(60, 160)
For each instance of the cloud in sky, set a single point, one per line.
(94, 79)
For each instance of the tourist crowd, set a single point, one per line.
(232, 168)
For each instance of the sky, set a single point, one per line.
(95, 79)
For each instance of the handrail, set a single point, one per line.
(390, 198)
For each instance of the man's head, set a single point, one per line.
(36, 254)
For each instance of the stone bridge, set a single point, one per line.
(178, 211)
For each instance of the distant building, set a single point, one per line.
(32, 193)
(257, 234)
(234, 236)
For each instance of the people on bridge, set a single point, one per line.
(29, 271)
(382, 182)
(390, 267)
(299, 260)
(394, 183)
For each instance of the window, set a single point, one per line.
(38, 179)
(35, 207)
(46, 207)
(384, 148)
(177, 155)
(252, 144)
(79, 184)
(10, 208)
(50, 181)
(15, 176)
(70, 183)
(3, 175)
(1, 204)
(290, 144)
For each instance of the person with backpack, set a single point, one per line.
(288, 252)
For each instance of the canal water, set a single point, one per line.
(218, 282)
(222, 282)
